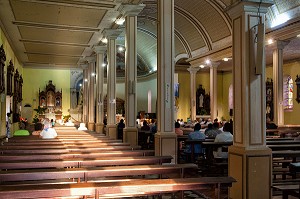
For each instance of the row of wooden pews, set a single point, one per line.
(285, 152)
(78, 164)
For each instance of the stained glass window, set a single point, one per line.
(288, 93)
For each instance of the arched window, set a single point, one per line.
(288, 93)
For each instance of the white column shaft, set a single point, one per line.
(85, 95)
(130, 71)
(165, 66)
(193, 72)
(99, 85)
(91, 82)
(111, 81)
(278, 83)
(213, 92)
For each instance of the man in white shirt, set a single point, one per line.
(48, 132)
(225, 136)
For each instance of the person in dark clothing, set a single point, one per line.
(121, 126)
(271, 125)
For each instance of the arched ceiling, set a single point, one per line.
(61, 34)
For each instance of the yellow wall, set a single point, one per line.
(224, 81)
(293, 69)
(35, 79)
(10, 55)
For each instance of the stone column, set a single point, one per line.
(130, 133)
(100, 50)
(250, 161)
(193, 71)
(165, 138)
(91, 96)
(278, 82)
(73, 98)
(111, 36)
(213, 90)
(85, 94)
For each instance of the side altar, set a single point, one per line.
(52, 101)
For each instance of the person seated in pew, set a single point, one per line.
(214, 131)
(48, 132)
(270, 125)
(196, 135)
(178, 131)
(225, 136)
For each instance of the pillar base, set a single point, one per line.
(166, 144)
(252, 169)
(111, 131)
(91, 126)
(100, 128)
(130, 135)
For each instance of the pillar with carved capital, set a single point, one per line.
(100, 50)
(278, 82)
(130, 133)
(85, 103)
(213, 90)
(91, 96)
(111, 36)
(193, 71)
(249, 158)
(165, 138)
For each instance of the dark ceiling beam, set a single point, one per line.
(55, 55)
(55, 26)
(54, 43)
(76, 3)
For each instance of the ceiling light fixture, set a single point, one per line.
(207, 61)
(120, 21)
(103, 65)
(85, 80)
(121, 48)
(93, 74)
(298, 36)
(80, 84)
(270, 41)
(201, 66)
(225, 59)
(104, 40)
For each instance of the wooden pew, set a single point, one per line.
(55, 142)
(66, 150)
(284, 147)
(80, 162)
(137, 187)
(88, 173)
(40, 156)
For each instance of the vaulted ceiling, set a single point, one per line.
(62, 33)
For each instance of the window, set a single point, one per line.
(288, 93)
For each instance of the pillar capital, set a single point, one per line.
(90, 59)
(112, 33)
(281, 44)
(214, 64)
(131, 9)
(100, 49)
(193, 69)
(83, 65)
(239, 7)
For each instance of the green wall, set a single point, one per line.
(35, 79)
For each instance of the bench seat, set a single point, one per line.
(86, 173)
(137, 187)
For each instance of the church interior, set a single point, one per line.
(87, 65)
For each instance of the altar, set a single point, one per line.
(52, 101)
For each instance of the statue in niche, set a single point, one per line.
(201, 101)
(50, 98)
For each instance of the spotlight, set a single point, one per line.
(201, 66)
(104, 40)
(270, 41)
(207, 61)
(120, 21)
(103, 65)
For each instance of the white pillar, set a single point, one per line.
(213, 90)
(193, 71)
(85, 103)
(91, 96)
(130, 133)
(111, 36)
(165, 138)
(278, 82)
(250, 161)
(100, 50)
